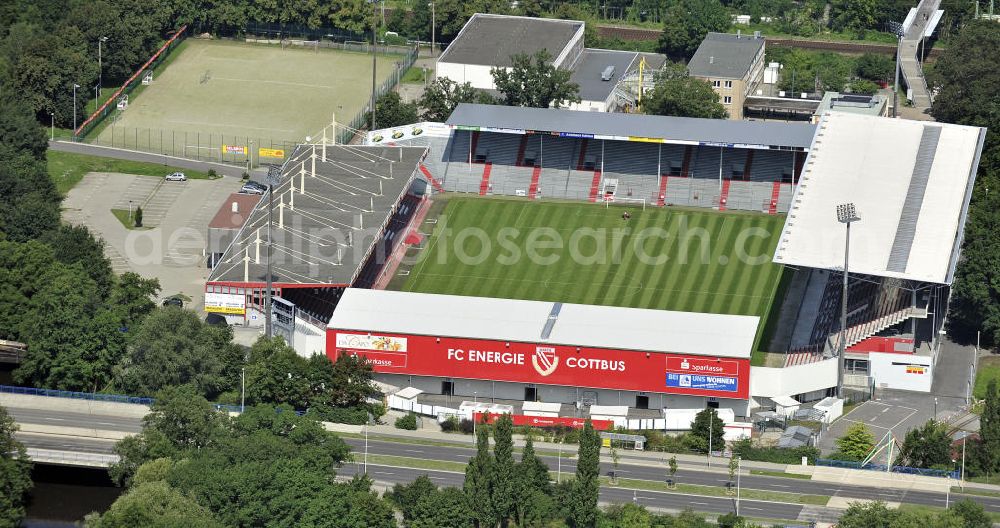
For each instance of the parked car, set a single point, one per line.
(252, 187)
(176, 176)
(173, 301)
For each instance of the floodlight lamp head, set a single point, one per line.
(846, 213)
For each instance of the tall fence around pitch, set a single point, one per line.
(201, 146)
(360, 120)
(129, 85)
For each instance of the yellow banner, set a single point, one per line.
(645, 139)
(234, 149)
(270, 153)
(232, 310)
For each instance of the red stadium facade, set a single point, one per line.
(546, 364)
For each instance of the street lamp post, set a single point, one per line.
(739, 464)
(846, 214)
(100, 67)
(374, 35)
(75, 86)
(433, 29)
(935, 408)
(559, 463)
(243, 389)
(52, 116)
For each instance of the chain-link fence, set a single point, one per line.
(360, 120)
(136, 80)
(201, 146)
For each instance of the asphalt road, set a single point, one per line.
(651, 499)
(63, 443)
(685, 474)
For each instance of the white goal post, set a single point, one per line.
(618, 200)
(148, 78)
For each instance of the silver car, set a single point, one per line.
(176, 176)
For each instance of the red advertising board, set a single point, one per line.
(546, 421)
(545, 364)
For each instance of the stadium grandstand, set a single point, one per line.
(910, 181)
(338, 212)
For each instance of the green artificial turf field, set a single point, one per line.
(671, 259)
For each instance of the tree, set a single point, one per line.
(927, 446)
(443, 95)
(180, 419)
(705, 423)
(132, 298)
(734, 465)
(988, 447)
(961, 77)
(875, 67)
(678, 94)
(137, 218)
(857, 442)
(391, 111)
(687, 24)
(857, 15)
(868, 515)
(615, 458)
(502, 479)
(625, 516)
(156, 505)
(478, 475)
(174, 347)
(864, 87)
(672, 470)
(972, 514)
(532, 489)
(446, 508)
(77, 245)
(583, 506)
(19, 130)
(15, 473)
(406, 496)
(534, 82)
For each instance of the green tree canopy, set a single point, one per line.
(678, 94)
(534, 82)
(928, 446)
(583, 506)
(857, 441)
(391, 111)
(446, 508)
(15, 473)
(443, 95)
(707, 422)
(174, 347)
(154, 505)
(478, 474)
(687, 24)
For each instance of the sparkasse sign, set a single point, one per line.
(546, 364)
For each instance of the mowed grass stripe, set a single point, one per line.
(686, 284)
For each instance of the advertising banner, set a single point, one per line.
(546, 364)
(234, 149)
(270, 153)
(545, 421)
(226, 303)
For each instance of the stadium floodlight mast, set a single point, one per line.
(374, 43)
(896, 29)
(75, 86)
(846, 214)
(100, 67)
(273, 176)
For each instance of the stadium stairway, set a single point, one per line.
(775, 194)
(686, 167)
(583, 154)
(484, 185)
(536, 173)
(662, 195)
(595, 185)
(433, 181)
(724, 196)
(520, 150)
(747, 164)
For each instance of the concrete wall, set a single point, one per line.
(766, 382)
(308, 339)
(482, 390)
(477, 75)
(901, 371)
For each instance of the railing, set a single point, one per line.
(881, 467)
(93, 396)
(71, 458)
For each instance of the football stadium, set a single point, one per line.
(548, 263)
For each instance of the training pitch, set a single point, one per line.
(671, 259)
(236, 91)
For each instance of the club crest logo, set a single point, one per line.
(545, 360)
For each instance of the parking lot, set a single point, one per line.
(176, 214)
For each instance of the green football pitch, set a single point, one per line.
(671, 259)
(211, 93)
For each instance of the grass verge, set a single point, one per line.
(782, 474)
(987, 370)
(541, 448)
(67, 169)
(414, 75)
(416, 463)
(974, 491)
(122, 216)
(922, 508)
(713, 491)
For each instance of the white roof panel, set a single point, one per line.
(910, 181)
(524, 321)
